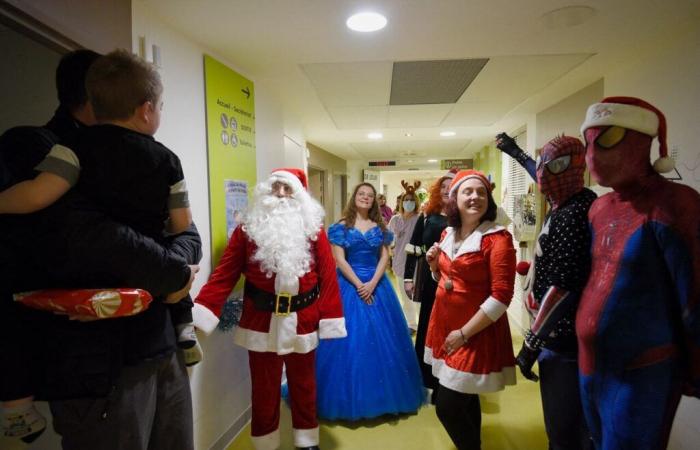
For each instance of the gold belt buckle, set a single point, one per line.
(288, 296)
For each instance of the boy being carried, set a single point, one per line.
(120, 167)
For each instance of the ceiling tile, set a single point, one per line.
(360, 117)
(475, 114)
(351, 84)
(418, 116)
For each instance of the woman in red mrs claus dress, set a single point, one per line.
(468, 342)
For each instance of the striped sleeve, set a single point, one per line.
(178, 197)
(63, 162)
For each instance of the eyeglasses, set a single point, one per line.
(557, 165)
(610, 137)
(365, 194)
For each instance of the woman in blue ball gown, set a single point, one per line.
(374, 371)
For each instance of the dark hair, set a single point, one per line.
(70, 78)
(435, 203)
(350, 211)
(455, 220)
(416, 199)
(120, 82)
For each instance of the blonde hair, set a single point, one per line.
(119, 82)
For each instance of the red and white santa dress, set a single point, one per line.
(277, 338)
(478, 274)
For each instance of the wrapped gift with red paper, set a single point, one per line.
(97, 303)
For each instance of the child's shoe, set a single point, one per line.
(187, 341)
(23, 422)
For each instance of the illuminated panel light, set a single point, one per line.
(366, 22)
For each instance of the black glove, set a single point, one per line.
(507, 145)
(525, 360)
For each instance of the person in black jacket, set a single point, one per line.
(427, 231)
(561, 266)
(89, 371)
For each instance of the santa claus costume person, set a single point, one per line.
(291, 300)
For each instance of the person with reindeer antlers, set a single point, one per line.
(402, 225)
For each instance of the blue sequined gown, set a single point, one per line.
(374, 371)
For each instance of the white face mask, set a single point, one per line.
(409, 206)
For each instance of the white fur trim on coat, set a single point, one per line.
(332, 328)
(282, 342)
(493, 308)
(621, 115)
(468, 383)
(471, 244)
(270, 441)
(305, 438)
(204, 319)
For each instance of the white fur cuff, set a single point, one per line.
(270, 441)
(332, 328)
(493, 308)
(204, 319)
(413, 249)
(305, 438)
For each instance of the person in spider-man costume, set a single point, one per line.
(559, 272)
(638, 322)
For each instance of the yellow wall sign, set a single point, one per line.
(230, 115)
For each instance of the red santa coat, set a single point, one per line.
(482, 271)
(263, 331)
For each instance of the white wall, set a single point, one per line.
(668, 79)
(221, 383)
(355, 168)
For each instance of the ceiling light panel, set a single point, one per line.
(432, 82)
(366, 22)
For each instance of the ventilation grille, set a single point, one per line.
(432, 82)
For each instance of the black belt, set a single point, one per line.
(281, 304)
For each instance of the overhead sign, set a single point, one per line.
(447, 164)
(382, 163)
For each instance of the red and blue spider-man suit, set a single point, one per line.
(638, 322)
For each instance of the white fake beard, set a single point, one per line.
(282, 229)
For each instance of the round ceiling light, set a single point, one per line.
(366, 22)
(375, 135)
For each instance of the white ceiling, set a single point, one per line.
(337, 82)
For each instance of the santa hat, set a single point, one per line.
(295, 178)
(464, 175)
(451, 173)
(634, 114)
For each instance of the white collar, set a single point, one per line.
(471, 244)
